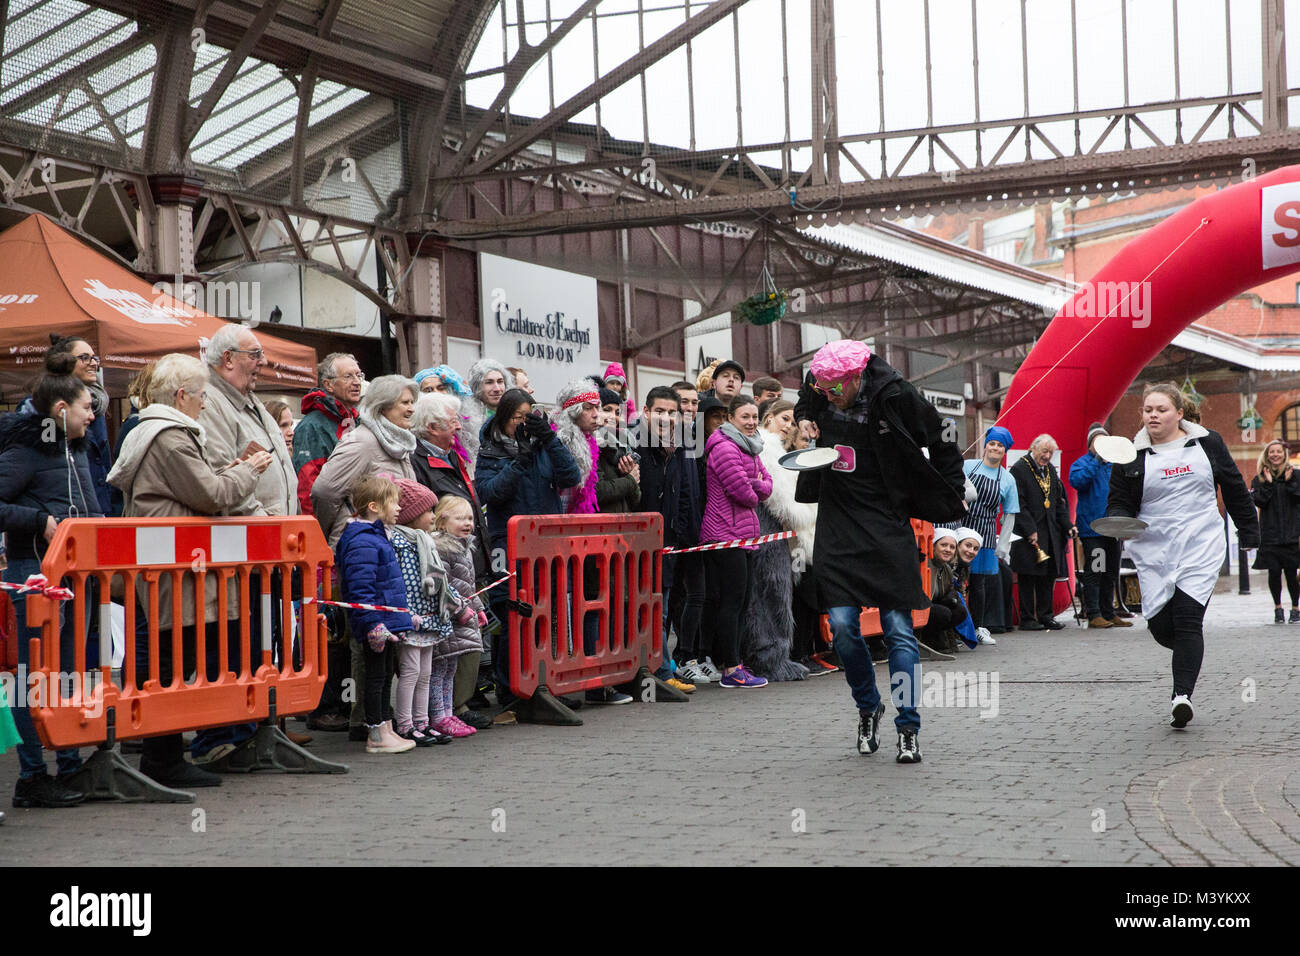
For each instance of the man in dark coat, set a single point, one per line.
(1043, 522)
(865, 550)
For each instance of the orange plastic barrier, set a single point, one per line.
(869, 621)
(74, 715)
(548, 554)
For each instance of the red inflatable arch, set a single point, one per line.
(1158, 284)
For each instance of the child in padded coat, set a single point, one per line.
(453, 523)
(370, 575)
(427, 598)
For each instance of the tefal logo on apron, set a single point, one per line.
(1175, 472)
(848, 459)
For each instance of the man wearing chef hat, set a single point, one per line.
(898, 459)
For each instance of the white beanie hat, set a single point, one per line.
(942, 533)
(964, 534)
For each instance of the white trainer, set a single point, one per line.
(710, 670)
(1180, 712)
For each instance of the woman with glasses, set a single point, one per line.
(98, 453)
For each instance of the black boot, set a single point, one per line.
(45, 791)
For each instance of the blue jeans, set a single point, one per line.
(31, 755)
(904, 662)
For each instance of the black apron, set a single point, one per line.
(865, 552)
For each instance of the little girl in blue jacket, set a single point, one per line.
(370, 574)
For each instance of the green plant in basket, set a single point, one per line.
(763, 308)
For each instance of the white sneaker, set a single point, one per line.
(984, 636)
(693, 673)
(710, 670)
(1180, 712)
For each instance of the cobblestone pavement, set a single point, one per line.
(1077, 766)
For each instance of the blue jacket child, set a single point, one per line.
(371, 575)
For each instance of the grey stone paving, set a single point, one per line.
(1080, 744)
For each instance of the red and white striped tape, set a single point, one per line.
(738, 543)
(152, 545)
(399, 610)
(38, 583)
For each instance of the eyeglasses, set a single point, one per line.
(828, 390)
(90, 358)
(258, 354)
(353, 377)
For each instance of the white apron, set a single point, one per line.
(1184, 544)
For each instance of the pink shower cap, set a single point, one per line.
(840, 360)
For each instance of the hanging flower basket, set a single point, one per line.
(762, 308)
(1250, 419)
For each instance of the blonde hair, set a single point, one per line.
(704, 381)
(445, 504)
(1263, 459)
(374, 489)
(138, 390)
(1170, 391)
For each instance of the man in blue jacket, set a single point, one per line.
(1090, 476)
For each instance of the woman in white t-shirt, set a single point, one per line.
(1171, 486)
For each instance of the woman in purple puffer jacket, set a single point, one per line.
(737, 482)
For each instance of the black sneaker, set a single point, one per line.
(1052, 624)
(478, 721)
(869, 729)
(180, 776)
(1180, 711)
(909, 747)
(45, 791)
(1279, 617)
(1030, 625)
(1295, 616)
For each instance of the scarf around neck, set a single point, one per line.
(751, 444)
(396, 442)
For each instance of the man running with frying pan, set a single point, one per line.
(865, 551)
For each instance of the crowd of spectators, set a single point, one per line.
(413, 482)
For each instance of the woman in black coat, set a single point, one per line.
(1043, 523)
(1276, 493)
(44, 478)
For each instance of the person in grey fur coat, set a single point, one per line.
(768, 631)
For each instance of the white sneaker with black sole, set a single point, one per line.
(1180, 712)
(909, 747)
(869, 730)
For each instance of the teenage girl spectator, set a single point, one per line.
(1276, 493)
(768, 627)
(283, 416)
(370, 574)
(616, 381)
(618, 475)
(453, 536)
(737, 482)
(43, 481)
(522, 468)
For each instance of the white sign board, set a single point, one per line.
(541, 320)
(1279, 224)
(946, 403)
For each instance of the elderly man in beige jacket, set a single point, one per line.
(235, 423)
(234, 419)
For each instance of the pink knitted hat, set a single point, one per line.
(839, 360)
